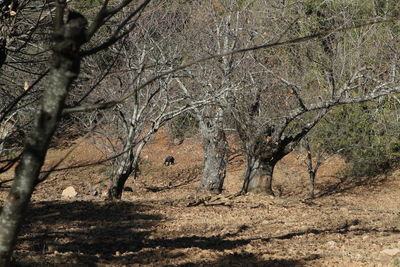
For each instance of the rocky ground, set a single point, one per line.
(163, 222)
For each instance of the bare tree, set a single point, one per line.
(150, 51)
(215, 29)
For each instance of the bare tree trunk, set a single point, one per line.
(312, 170)
(129, 165)
(119, 179)
(258, 176)
(215, 157)
(64, 70)
(312, 185)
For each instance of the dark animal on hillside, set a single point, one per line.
(169, 160)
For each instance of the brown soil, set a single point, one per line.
(163, 222)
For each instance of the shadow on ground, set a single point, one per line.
(82, 232)
(346, 185)
(247, 259)
(117, 233)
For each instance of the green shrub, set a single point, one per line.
(366, 135)
(394, 149)
(367, 162)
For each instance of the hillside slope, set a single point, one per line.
(163, 222)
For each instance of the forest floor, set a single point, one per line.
(164, 222)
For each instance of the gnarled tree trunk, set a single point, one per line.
(119, 179)
(215, 148)
(258, 176)
(128, 165)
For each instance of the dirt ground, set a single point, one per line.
(163, 222)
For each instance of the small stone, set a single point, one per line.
(358, 257)
(190, 196)
(117, 253)
(391, 252)
(331, 244)
(69, 192)
(96, 191)
(92, 190)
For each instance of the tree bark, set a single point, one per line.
(117, 184)
(129, 165)
(215, 148)
(258, 176)
(312, 185)
(64, 70)
(118, 180)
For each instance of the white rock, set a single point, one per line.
(331, 244)
(391, 252)
(69, 192)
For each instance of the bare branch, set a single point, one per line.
(104, 15)
(242, 50)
